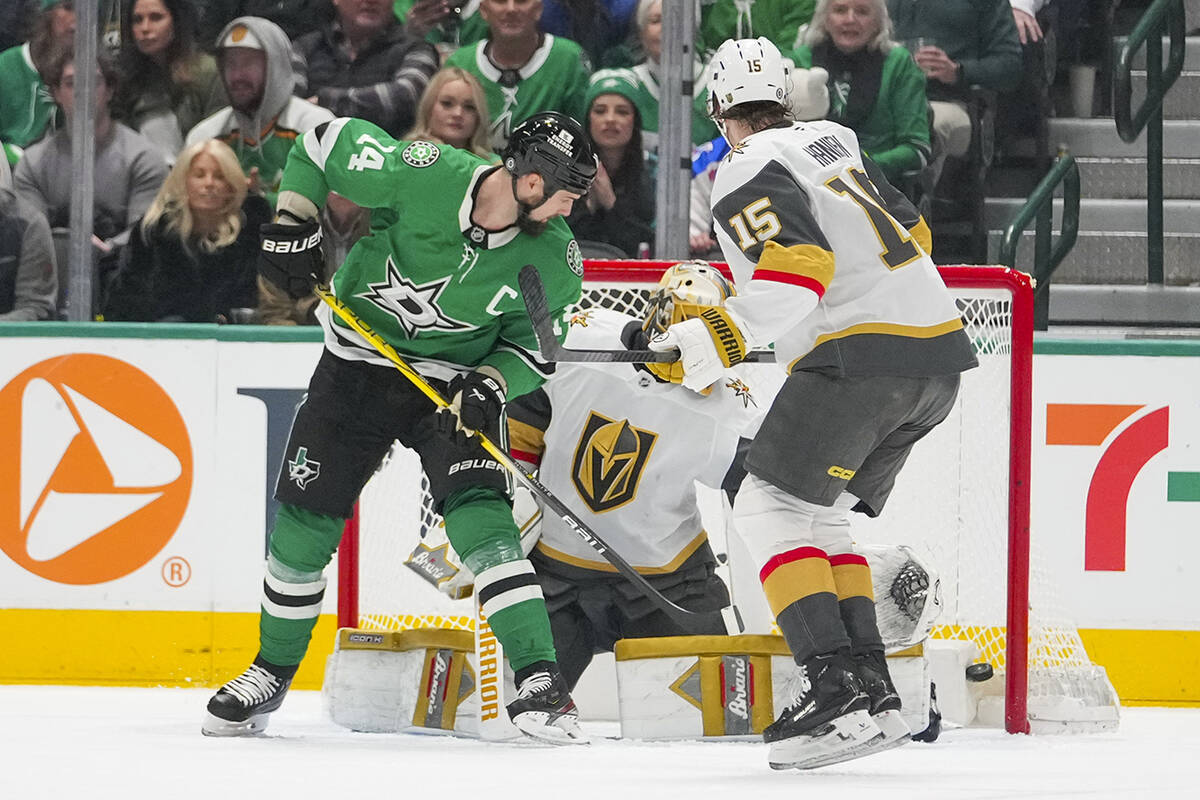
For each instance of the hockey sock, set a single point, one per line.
(856, 601)
(302, 543)
(480, 526)
(800, 590)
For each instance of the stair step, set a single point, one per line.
(1191, 53)
(1098, 138)
(1124, 305)
(1182, 100)
(1103, 215)
(1126, 177)
(1103, 257)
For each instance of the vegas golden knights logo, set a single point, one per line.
(609, 460)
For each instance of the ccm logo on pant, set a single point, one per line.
(475, 463)
(292, 246)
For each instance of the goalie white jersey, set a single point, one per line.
(624, 450)
(785, 201)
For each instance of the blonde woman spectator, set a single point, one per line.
(454, 111)
(169, 83)
(192, 257)
(875, 88)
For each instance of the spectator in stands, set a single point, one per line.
(619, 209)
(875, 87)
(959, 44)
(28, 275)
(295, 17)
(449, 24)
(362, 63)
(26, 107)
(169, 84)
(778, 20)
(454, 111)
(523, 71)
(128, 167)
(193, 256)
(600, 27)
(263, 119)
(649, 25)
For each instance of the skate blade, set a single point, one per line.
(895, 732)
(564, 730)
(215, 726)
(827, 745)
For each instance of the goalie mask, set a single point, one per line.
(683, 291)
(746, 71)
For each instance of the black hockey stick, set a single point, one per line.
(727, 619)
(536, 305)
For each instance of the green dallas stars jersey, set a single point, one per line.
(438, 288)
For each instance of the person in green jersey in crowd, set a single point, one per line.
(437, 279)
(26, 107)
(778, 20)
(522, 70)
(649, 21)
(449, 24)
(263, 119)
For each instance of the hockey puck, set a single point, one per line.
(977, 673)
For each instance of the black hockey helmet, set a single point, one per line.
(554, 146)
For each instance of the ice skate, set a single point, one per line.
(885, 701)
(828, 716)
(243, 706)
(544, 709)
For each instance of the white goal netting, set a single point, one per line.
(962, 502)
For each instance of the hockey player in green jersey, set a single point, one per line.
(436, 278)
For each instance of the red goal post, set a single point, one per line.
(973, 516)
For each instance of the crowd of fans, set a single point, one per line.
(200, 101)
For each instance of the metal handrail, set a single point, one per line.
(1040, 206)
(1162, 15)
(1149, 31)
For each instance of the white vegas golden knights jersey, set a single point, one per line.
(831, 262)
(623, 450)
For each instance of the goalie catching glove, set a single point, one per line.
(477, 399)
(708, 344)
(290, 257)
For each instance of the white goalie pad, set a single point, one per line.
(908, 595)
(418, 681)
(434, 558)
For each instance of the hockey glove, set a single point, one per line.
(291, 257)
(708, 344)
(477, 400)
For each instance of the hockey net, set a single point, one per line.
(961, 502)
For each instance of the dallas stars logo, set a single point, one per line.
(740, 389)
(414, 307)
(302, 470)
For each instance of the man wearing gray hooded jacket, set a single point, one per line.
(263, 118)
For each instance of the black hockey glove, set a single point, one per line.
(477, 400)
(291, 257)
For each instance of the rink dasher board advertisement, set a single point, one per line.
(122, 510)
(139, 459)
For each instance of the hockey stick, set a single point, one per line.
(727, 619)
(536, 305)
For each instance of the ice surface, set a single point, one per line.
(76, 742)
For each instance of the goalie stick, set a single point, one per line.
(536, 305)
(727, 618)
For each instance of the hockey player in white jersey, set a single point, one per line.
(625, 445)
(831, 265)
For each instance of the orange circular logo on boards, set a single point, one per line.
(96, 472)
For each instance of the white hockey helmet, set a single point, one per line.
(746, 71)
(682, 292)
